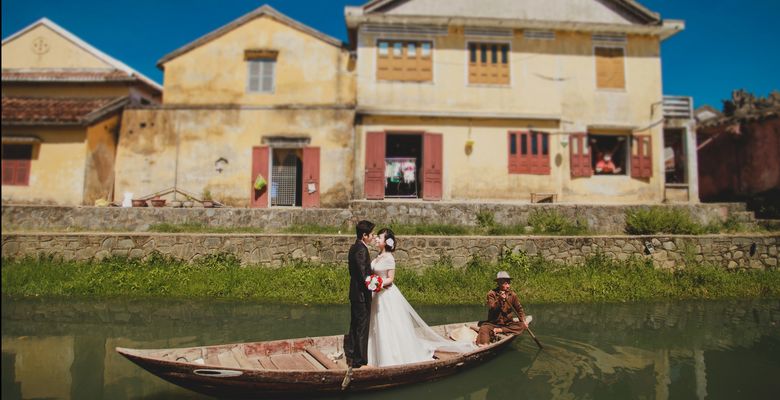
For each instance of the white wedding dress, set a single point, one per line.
(396, 334)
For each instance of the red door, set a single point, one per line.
(432, 166)
(375, 166)
(259, 167)
(311, 177)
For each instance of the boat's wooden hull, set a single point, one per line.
(258, 383)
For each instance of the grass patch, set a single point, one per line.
(596, 279)
(675, 221)
(550, 222)
(655, 220)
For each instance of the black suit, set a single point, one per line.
(356, 344)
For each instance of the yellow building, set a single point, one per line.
(469, 100)
(261, 96)
(62, 105)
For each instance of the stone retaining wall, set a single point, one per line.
(601, 219)
(414, 251)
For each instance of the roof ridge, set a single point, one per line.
(86, 46)
(265, 9)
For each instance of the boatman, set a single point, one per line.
(501, 317)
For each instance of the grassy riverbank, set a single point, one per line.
(598, 279)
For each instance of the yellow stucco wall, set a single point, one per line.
(56, 170)
(59, 52)
(99, 164)
(550, 79)
(483, 175)
(308, 70)
(146, 157)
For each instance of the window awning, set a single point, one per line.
(29, 139)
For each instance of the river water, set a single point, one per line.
(64, 349)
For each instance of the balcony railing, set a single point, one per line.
(680, 107)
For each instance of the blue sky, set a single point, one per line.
(726, 45)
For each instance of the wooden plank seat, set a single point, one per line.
(322, 358)
(294, 361)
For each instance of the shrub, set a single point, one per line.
(653, 220)
(486, 219)
(552, 222)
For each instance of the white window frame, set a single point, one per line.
(267, 70)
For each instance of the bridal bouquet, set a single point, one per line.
(374, 283)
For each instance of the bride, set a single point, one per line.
(397, 335)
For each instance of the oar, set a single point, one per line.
(527, 328)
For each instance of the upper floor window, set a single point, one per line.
(610, 68)
(261, 66)
(16, 164)
(404, 60)
(489, 63)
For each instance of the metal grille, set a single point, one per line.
(283, 182)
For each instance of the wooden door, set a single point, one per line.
(432, 166)
(259, 198)
(375, 166)
(311, 177)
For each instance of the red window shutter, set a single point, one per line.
(524, 162)
(16, 168)
(9, 174)
(530, 157)
(579, 156)
(23, 172)
(432, 166)
(642, 157)
(260, 155)
(311, 177)
(543, 159)
(375, 166)
(513, 158)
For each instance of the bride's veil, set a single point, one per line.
(430, 338)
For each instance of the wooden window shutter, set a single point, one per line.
(311, 177)
(610, 68)
(260, 160)
(488, 63)
(514, 153)
(529, 152)
(374, 180)
(579, 156)
(383, 60)
(642, 157)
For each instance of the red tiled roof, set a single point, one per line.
(52, 110)
(65, 76)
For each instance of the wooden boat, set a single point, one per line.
(299, 368)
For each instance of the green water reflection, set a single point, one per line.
(63, 349)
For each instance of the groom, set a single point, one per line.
(356, 342)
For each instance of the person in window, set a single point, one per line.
(606, 166)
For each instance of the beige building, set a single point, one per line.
(62, 105)
(261, 96)
(467, 100)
